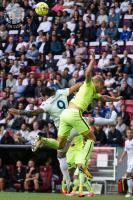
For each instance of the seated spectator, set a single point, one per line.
(114, 17)
(121, 126)
(65, 32)
(10, 81)
(51, 63)
(125, 116)
(7, 138)
(44, 45)
(32, 177)
(3, 176)
(44, 26)
(127, 79)
(32, 135)
(71, 40)
(30, 89)
(19, 89)
(112, 31)
(38, 89)
(3, 32)
(79, 70)
(56, 46)
(101, 138)
(10, 46)
(102, 32)
(114, 138)
(125, 34)
(124, 6)
(102, 17)
(104, 61)
(3, 99)
(15, 68)
(109, 81)
(32, 54)
(30, 27)
(21, 46)
(58, 6)
(2, 16)
(81, 50)
(71, 25)
(11, 101)
(24, 132)
(90, 32)
(19, 176)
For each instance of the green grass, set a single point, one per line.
(46, 196)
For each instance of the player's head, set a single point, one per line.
(129, 134)
(98, 82)
(47, 92)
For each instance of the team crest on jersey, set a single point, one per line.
(14, 15)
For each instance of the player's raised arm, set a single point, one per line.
(107, 98)
(89, 69)
(31, 113)
(75, 87)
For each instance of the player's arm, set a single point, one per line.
(26, 113)
(75, 87)
(123, 155)
(89, 69)
(107, 98)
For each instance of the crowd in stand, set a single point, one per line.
(54, 51)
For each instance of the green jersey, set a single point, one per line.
(86, 94)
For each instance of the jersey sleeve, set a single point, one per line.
(64, 92)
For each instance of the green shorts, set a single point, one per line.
(72, 118)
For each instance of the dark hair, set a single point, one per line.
(45, 91)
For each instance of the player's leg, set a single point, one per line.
(129, 180)
(65, 172)
(103, 121)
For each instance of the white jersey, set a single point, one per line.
(129, 150)
(56, 104)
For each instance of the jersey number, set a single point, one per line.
(61, 104)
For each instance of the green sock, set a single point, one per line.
(81, 181)
(63, 185)
(76, 184)
(88, 186)
(88, 149)
(50, 142)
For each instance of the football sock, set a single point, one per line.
(130, 185)
(52, 143)
(64, 170)
(81, 181)
(88, 186)
(76, 184)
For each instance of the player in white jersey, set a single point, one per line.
(128, 151)
(54, 103)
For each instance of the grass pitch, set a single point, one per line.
(50, 196)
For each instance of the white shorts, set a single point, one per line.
(130, 168)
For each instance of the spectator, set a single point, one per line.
(125, 34)
(19, 89)
(3, 176)
(32, 177)
(103, 62)
(112, 31)
(102, 32)
(102, 17)
(24, 132)
(44, 45)
(124, 115)
(56, 46)
(51, 63)
(45, 25)
(19, 176)
(114, 137)
(34, 133)
(81, 50)
(121, 126)
(2, 80)
(114, 17)
(100, 136)
(7, 138)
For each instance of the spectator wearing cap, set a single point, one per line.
(44, 26)
(71, 41)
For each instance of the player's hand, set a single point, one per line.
(119, 98)
(14, 111)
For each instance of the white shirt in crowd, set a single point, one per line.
(44, 26)
(32, 135)
(124, 6)
(103, 62)
(20, 45)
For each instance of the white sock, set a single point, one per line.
(64, 170)
(130, 185)
(104, 121)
